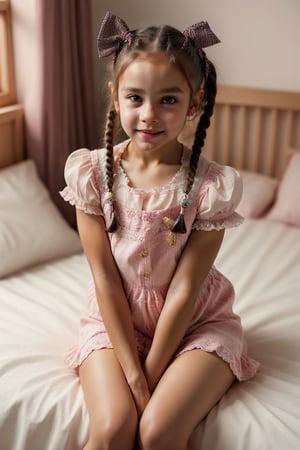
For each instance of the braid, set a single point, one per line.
(109, 167)
(200, 135)
(108, 141)
(204, 122)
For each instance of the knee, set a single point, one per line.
(113, 434)
(155, 434)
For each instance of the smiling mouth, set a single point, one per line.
(150, 132)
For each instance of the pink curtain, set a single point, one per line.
(67, 105)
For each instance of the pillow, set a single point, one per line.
(32, 229)
(287, 206)
(259, 192)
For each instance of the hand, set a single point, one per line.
(152, 375)
(140, 392)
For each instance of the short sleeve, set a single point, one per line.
(81, 186)
(220, 194)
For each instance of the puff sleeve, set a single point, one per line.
(81, 186)
(220, 194)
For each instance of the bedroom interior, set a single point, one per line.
(44, 275)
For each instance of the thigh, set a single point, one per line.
(107, 395)
(189, 388)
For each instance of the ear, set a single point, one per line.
(195, 102)
(114, 95)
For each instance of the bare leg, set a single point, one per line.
(112, 412)
(187, 391)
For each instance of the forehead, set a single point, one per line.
(154, 71)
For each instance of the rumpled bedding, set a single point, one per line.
(41, 401)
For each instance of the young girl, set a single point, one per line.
(159, 343)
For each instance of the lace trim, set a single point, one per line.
(75, 355)
(69, 196)
(218, 224)
(243, 367)
(98, 166)
(172, 185)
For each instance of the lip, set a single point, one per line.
(149, 133)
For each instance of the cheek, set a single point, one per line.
(127, 118)
(177, 119)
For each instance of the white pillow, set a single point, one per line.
(259, 193)
(287, 206)
(32, 230)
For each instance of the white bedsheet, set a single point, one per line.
(41, 402)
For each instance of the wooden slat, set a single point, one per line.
(285, 135)
(256, 149)
(258, 97)
(240, 145)
(288, 131)
(252, 129)
(226, 150)
(271, 148)
(266, 133)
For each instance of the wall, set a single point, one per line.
(260, 38)
(26, 54)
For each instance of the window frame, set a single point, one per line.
(7, 81)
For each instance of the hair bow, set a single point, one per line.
(201, 35)
(113, 33)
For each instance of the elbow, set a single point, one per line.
(106, 284)
(183, 292)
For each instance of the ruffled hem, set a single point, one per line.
(243, 367)
(69, 196)
(219, 224)
(75, 356)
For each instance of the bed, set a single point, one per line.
(44, 275)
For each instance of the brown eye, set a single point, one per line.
(169, 100)
(135, 98)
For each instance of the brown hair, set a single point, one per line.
(199, 73)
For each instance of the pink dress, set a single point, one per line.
(147, 253)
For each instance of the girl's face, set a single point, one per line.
(153, 100)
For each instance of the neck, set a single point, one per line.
(169, 155)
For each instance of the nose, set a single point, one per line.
(148, 113)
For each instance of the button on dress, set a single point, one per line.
(147, 252)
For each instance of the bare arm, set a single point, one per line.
(112, 302)
(194, 265)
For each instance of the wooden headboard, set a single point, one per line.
(252, 129)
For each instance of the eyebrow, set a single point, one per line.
(167, 90)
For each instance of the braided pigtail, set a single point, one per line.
(204, 123)
(109, 167)
(210, 90)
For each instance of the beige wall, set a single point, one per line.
(260, 38)
(26, 53)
